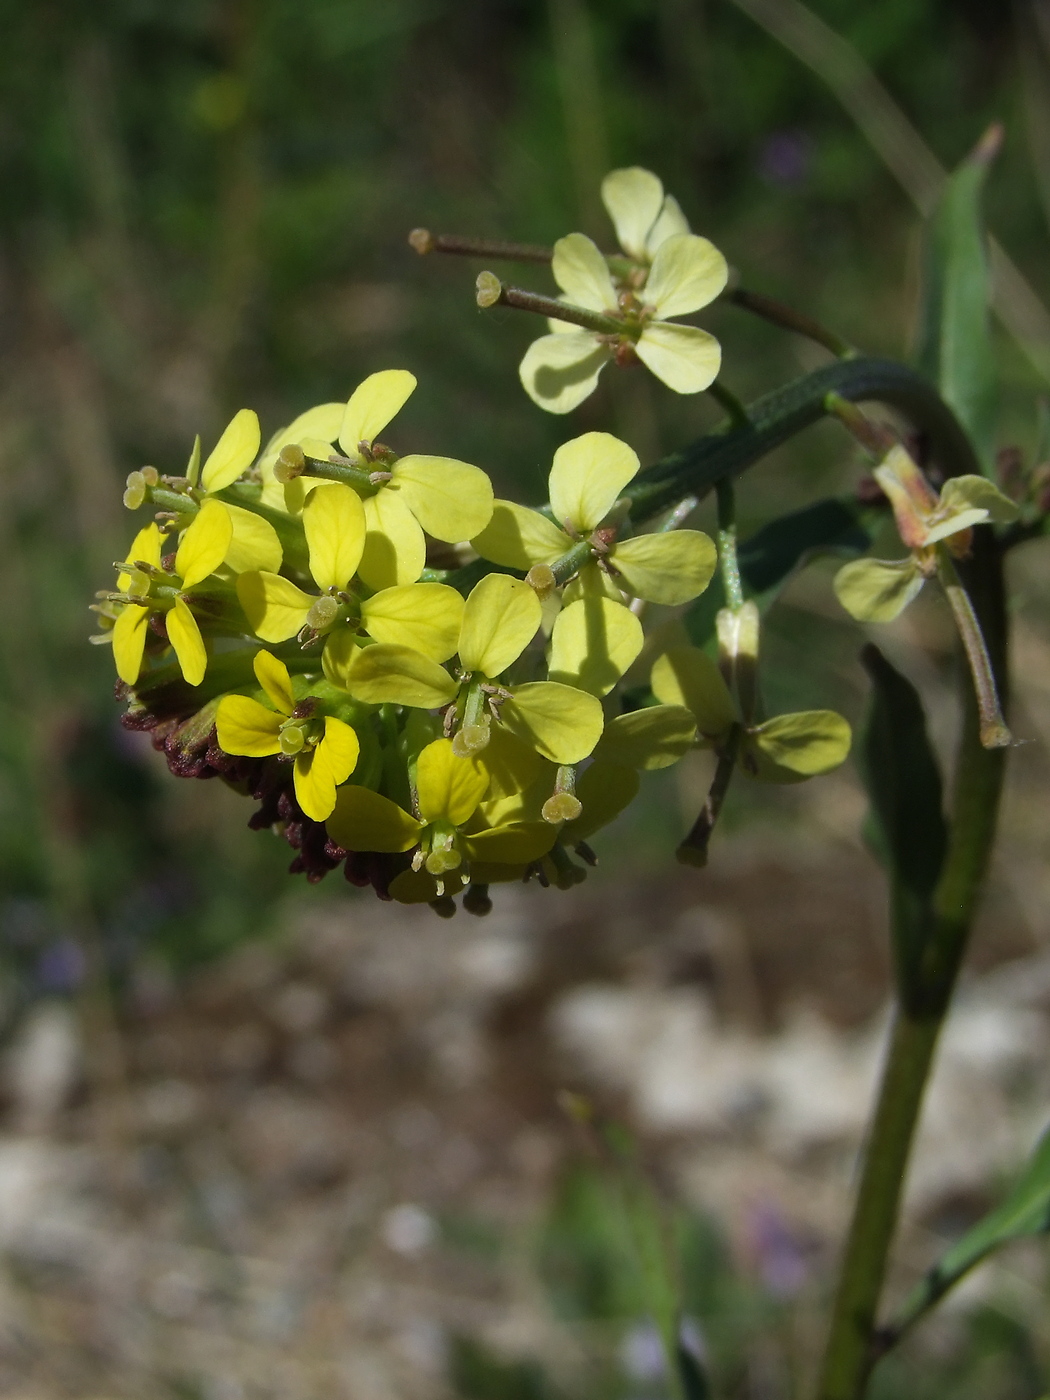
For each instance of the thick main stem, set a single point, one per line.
(851, 1352)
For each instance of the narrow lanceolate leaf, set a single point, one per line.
(1026, 1211)
(955, 346)
(907, 826)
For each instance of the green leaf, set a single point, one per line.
(772, 553)
(877, 590)
(908, 828)
(1026, 1211)
(955, 346)
(791, 748)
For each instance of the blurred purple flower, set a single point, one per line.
(60, 967)
(785, 158)
(780, 1254)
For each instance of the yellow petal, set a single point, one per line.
(671, 568)
(320, 770)
(340, 652)
(334, 521)
(129, 641)
(591, 582)
(234, 453)
(451, 500)
(243, 726)
(321, 423)
(424, 616)
(185, 637)
(501, 617)
(593, 643)
(558, 721)
(687, 273)
(395, 550)
(363, 820)
(977, 492)
(512, 764)
(274, 607)
(583, 274)
(685, 358)
(799, 746)
(670, 221)
(147, 546)
(394, 675)
(634, 198)
(877, 590)
(559, 371)
(449, 788)
(204, 544)
(518, 843)
(372, 405)
(254, 544)
(273, 676)
(518, 538)
(648, 739)
(588, 475)
(687, 676)
(604, 789)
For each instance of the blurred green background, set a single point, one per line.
(205, 205)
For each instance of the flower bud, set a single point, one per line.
(471, 739)
(323, 613)
(292, 740)
(135, 493)
(561, 807)
(489, 289)
(291, 462)
(541, 580)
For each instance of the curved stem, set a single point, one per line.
(853, 1346)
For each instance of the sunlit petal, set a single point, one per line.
(518, 538)
(687, 273)
(243, 726)
(395, 675)
(372, 405)
(204, 544)
(670, 221)
(669, 568)
(424, 616)
(685, 358)
(588, 475)
(451, 500)
(633, 198)
(582, 273)
(686, 676)
(395, 550)
(234, 453)
(273, 676)
(593, 643)
(147, 546)
(561, 723)
(501, 617)
(274, 607)
(129, 641)
(254, 543)
(449, 787)
(334, 522)
(185, 637)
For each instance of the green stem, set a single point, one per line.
(852, 1347)
(778, 313)
(727, 556)
(693, 850)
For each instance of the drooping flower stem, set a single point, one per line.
(854, 1345)
(778, 313)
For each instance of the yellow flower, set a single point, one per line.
(422, 616)
(672, 273)
(202, 550)
(501, 616)
(449, 790)
(325, 749)
(403, 496)
(587, 478)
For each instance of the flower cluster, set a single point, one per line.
(435, 729)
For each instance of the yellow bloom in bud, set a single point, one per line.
(326, 750)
